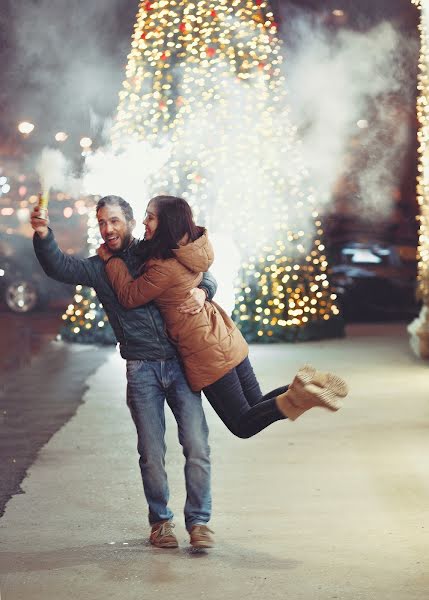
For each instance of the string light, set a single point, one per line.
(419, 328)
(423, 157)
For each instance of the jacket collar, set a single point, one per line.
(131, 249)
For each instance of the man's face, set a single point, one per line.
(115, 230)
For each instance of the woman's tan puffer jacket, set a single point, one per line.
(209, 342)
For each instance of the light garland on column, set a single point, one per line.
(419, 328)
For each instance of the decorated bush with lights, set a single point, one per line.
(85, 321)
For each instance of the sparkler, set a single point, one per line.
(43, 204)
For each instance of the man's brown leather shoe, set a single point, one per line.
(162, 535)
(201, 537)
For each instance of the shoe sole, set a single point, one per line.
(202, 545)
(168, 545)
(336, 384)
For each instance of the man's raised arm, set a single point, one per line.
(54, 262)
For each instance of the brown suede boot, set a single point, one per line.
(299, 398)
(308, 374)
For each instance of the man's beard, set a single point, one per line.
(126, 242)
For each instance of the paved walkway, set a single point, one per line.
(331, 506)
(35, 402)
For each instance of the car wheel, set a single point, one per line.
(21, 296)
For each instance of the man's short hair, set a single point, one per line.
(116, 201)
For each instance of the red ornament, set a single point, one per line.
(143, 36)
(258, 2)
(148, 5)
(183, 27)
(213, 14)
(163, 56)
(211, 52)
(274, 25)
(261, 65)
(162, 104)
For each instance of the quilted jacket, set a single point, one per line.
(209, 342)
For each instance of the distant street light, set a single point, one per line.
(61, 136)
(86, 143)
(362, 123)
(339, 17)
(25, 127)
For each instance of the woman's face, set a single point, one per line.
(150, 221)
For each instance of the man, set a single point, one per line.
(154, 372)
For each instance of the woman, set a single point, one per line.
(214, 353)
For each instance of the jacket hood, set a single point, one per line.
(196, 256)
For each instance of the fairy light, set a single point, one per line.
(423, 156)
(193, 66)
(419, 328)
(25, 127)
(61, 136)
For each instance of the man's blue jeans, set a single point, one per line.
(150, 383)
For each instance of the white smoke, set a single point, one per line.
(225, 268)
(125, 174)
(105, 173)
(55, 172)
(67, 62)
(333, 81)
(336, 80)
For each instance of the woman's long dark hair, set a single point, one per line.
(175, 220)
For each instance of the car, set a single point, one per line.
(23, 284)
(375, 280)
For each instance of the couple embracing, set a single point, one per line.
(158, 295)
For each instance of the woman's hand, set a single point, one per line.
(194, 303)
(104, 253)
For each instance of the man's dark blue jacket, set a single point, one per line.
(139, 331)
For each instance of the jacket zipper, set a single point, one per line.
(156, 331)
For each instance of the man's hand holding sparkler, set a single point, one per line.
(39, 224)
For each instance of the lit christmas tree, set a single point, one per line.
(419, 328)
(206, 77)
